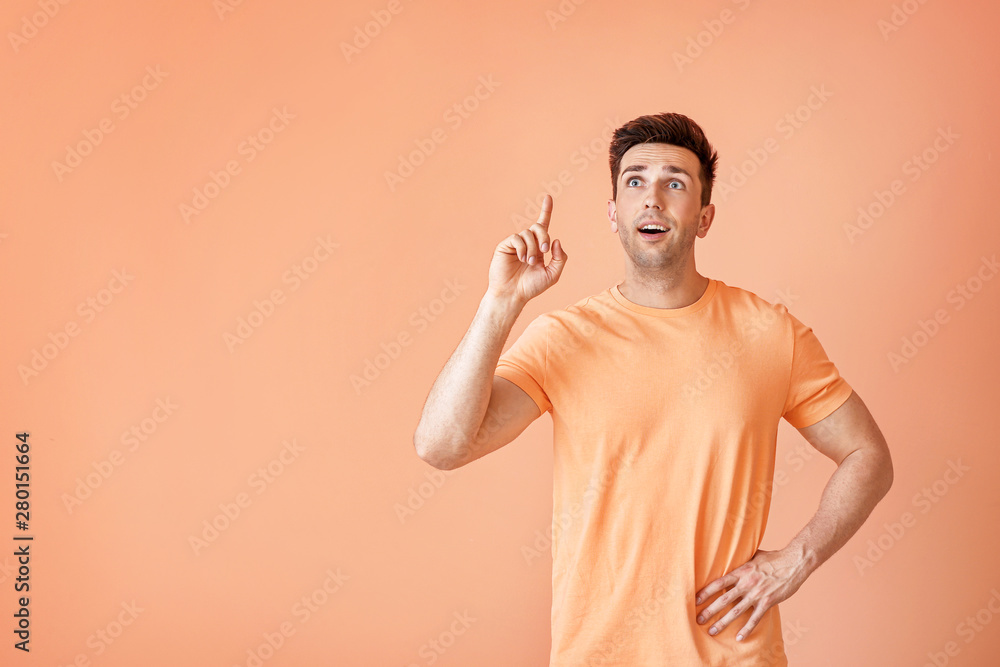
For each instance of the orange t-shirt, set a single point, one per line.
(664, 424)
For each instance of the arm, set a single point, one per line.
(851, 438)
(456, 406)
(452, 430)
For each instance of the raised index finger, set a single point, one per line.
(546, 212)
(543, 221)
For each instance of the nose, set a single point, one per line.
(651, 197)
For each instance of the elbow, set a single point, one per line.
(877, 467)
(438, 462)
(887, 472)
(433, 456)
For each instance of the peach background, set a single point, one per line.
(334, 506)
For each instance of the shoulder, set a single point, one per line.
(779, 298)
(584, 316)
(750, 306)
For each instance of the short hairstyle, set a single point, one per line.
(666, 128)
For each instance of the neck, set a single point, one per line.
(663, 290)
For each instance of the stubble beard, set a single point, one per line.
(656, 259)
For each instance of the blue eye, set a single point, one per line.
(672, 183)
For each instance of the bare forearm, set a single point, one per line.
(860, 481)
(457, 402)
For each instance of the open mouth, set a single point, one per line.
(652, 231)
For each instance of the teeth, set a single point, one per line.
(660, 227)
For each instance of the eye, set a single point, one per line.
(632, 179)
(678, 183)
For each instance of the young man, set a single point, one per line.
(666, 391)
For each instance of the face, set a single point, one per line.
(659, 183)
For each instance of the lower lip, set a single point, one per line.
(654, 237)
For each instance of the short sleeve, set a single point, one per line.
(815, 387)
(524, 363)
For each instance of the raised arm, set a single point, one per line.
(454, 429)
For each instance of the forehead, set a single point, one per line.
(655, 155)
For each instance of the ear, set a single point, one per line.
(613, 215)
(707, 215)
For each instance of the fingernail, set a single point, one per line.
(739, 638)
(545, 247)
(712, 631)
(701, 619)
(531, 260)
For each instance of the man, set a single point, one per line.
(666, 391)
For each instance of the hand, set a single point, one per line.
(517, 270)
(762, 582)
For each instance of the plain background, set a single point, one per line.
(410, 266)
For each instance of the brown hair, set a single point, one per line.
(666, 128)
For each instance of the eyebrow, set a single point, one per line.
(671, 168)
